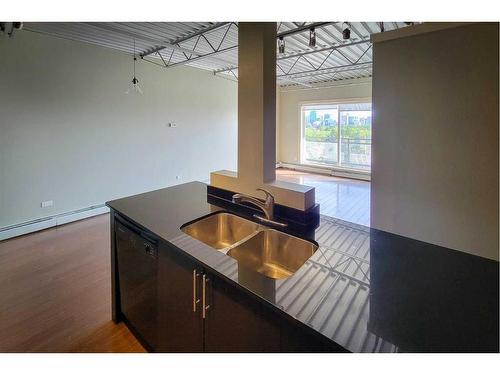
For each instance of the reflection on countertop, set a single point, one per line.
(367, 290)
(329, 293)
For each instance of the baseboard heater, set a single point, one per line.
(51, 221)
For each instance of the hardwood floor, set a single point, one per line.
(55, 285)
(342, 198)
(55, 292)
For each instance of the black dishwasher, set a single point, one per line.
(137, 255)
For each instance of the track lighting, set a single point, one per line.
(10, 28)
(281, 45)
(312, 37)
(346, 33)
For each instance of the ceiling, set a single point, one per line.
(214, 46)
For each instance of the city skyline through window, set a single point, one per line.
(337, 135)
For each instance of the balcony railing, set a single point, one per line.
(355, 153)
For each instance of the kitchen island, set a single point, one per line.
(362, 290)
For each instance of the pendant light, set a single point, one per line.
(134, 88)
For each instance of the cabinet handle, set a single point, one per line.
(196, 300)
(205, 307)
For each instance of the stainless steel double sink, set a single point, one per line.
(270, 252)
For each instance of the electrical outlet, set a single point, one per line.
(172, 125)
(45, 204)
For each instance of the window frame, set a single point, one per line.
(301, 143)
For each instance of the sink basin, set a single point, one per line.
(221, 230)
(275, 254)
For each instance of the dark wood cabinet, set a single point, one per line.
(180, 327)
(230, 323)
(236, 323)
(295, 338)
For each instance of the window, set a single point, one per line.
(337, 135)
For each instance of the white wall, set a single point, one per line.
(290, 100)
(68, 133)
(435, 138)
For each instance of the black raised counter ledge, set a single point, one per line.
(363, 290)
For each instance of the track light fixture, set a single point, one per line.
(281, 45)
(10, 28)
(312, 37)
(346, 32)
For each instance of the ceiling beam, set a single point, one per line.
(227, 49)
(335, 47)
(174, 43)
(207, 55)
(109, 27)
(300, 29)
(333, 69)
(305, 84)
(291, 80)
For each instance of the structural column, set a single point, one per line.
(257, 121)
(257, 102)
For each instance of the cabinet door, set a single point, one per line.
(235, 322)
(298, 339)
(180, 327)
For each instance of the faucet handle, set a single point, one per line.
(269, 196)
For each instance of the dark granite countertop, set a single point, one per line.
(367, 290)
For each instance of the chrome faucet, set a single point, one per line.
(267, 206)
